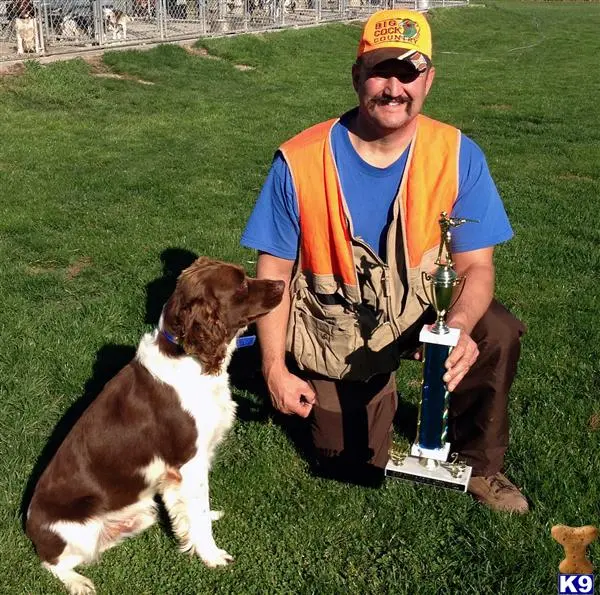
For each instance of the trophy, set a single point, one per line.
(427, 461)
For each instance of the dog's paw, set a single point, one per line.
(216, 557)
(80, 585)
(215, 515)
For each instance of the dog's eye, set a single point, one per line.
(242, 289)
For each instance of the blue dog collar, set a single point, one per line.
(170, 338)
(246, 341)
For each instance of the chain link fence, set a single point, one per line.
(41, 27)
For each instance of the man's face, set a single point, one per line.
(391, 94)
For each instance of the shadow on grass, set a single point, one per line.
(405, 420)
(110, 359)
(245, 376)
(174, 260)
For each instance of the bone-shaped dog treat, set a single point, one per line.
(575, 541)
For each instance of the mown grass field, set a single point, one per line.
(108, 184)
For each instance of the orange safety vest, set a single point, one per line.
(328, 249)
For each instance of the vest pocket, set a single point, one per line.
(340, 344)
(325, 346)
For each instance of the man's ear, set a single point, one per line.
(356, 76)
(429, 80)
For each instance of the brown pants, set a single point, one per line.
(351, 424)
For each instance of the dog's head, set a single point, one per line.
(20, 9)
(114, 17)
(213, 301)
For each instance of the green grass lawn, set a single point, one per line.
(107, 184)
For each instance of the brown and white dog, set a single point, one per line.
(153, 430)
(115, 23)
(26, 27)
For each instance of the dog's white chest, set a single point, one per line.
(206, 398)
(210, 404)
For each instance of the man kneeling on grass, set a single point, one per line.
(348, 218)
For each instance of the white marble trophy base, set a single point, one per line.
(431, 471)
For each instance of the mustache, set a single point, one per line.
(385, 99)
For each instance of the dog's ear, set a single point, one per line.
(205, 333)
(201, 262)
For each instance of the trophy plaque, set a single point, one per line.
(427, 461)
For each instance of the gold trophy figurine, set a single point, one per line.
(444, 279)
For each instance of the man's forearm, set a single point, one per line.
(289, 393)
(272, 328)
(475, 298)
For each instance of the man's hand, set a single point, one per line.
(460, 360)
(478, 268)
(289, 394)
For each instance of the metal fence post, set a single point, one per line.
(202, 7)
(45, 30)
(99, 32)
(161, 17)
(37, 15)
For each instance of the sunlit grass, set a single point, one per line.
(104, 182)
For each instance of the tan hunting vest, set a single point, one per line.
(348, 307)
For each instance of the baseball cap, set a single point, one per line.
(400, 34)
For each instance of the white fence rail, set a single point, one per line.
(42, 27)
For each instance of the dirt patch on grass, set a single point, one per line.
(45, 268)
(594, 422)
(40, 269)
(100, 70)
(79, 265)
(97, 65)
(122, 77)
(575, 178)
(12, 69)
(203, 52)
(501, 107)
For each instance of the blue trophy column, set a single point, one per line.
(433, 418)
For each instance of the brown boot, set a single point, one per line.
(497, 492)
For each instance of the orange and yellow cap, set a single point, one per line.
(394, 34)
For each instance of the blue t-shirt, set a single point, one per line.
(370, 191)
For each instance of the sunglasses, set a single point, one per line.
(403, 70)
